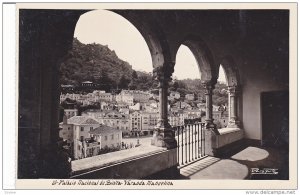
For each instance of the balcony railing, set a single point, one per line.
(190, 142)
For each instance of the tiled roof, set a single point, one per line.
(82, 120)
(92, 110)
(103, 129)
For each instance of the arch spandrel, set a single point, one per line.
(231, 71)
(152, 33)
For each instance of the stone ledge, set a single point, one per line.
(228, 136)
(228, 130)
(134, 163)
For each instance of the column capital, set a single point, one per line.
(164, 73)
(208, 86)
(234, 89)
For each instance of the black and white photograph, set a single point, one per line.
(156, 96)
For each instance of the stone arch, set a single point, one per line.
(153, 35)
(234, 88)
(231, 71)
(203, 57)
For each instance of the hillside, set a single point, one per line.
(93, 62)
(99, 64)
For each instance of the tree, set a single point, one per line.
(134, 75)
(175, 85)
(132, 85)
(123, 82)
(105, 82)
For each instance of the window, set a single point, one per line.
(91, 128)
(105, 137)
(112, 137)
(69, 128)
(81, 128)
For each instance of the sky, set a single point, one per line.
(111, 29)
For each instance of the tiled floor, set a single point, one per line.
(239, 165)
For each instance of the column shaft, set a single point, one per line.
(163, 104)
(164, 135)
(233, 118)
(209, 114)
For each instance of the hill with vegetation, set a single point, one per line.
(99, 64)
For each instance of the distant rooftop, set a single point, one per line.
(82, 120)
(92, 110)
(104, 129)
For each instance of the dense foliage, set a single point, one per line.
(99, 64)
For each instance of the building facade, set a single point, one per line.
(71, 112)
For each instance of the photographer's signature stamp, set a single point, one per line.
(264, 171)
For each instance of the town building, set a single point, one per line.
(108, 137)
(201, 106)
(124, 111)
(182, 105)
(71, 112)
(148, 122)
(94, 113)
(105, 96)
(174, 95)
(75, 132)
(138, 96)
(136, 106)
(175, 120)
(87, 84)
(112, 118)
(135, 124)
(81, 127)
(221, 117)
(116, 120)
(66, 131)
(71, 96)
(151, 106)
(190, 97)
(67, 87)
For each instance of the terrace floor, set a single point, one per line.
(240, 164)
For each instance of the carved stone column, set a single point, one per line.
(233, 118)
(164, 136)
(211, 129)
(209, 86)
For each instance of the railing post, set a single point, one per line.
(191, 143)
(178, 145)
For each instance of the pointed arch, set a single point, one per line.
(231, 71)
(204, 58)
(153, 34)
